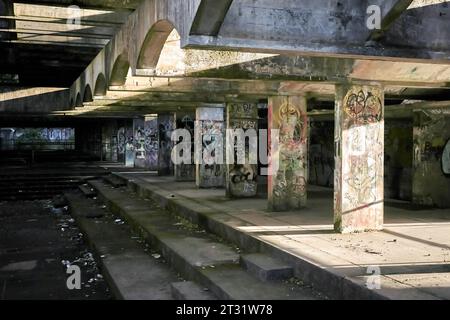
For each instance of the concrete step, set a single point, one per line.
(266, 268)
(114, 181)
(87, 191)
(197, 256)
(132, 273)
(188, 290)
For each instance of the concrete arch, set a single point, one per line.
(153, 44)
(78, 101)
(100, 85)
(120, 70)
(87, 96)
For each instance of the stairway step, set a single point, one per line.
(195, 255)
(87, 191)
(265, 267)
(131, 273)
(115, 181)
(234, 283)
(188, 290)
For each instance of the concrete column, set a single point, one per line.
(121, 142)
(151, 142)
(166, 125)
(129, 144)
(241, 174)
(359, 158)
(146, 142)
(288, 158)
(186, 171)
(209, 148)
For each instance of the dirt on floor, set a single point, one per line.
(38, 244)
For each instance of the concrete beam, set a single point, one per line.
(210, 16)
(391, 11)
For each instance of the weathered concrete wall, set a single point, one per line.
(398, 159)
(109, 140)
(359, 158)
(88, 139)
(166, 125)
(130, 153)
(139, 143)
(431, 176)
(287, 183)
(146, 142)
(321, 153)
(151, 142)
(209, 126)
(186, 171)
(241, 178)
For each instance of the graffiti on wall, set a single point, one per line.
(186, 171)
(139, 143)
(210, 129)
(359, 158)
(242, 177)
(151, 142)
(362, 107)
(166, 125)
(287, 187)
(121, 140)
(129, 146)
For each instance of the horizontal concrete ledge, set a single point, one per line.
(335, 283)
(327, 50)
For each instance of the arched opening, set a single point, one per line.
(100, 86)
(87, 97)
(153, 45)
(120, 71)
(78, 102)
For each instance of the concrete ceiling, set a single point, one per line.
(49, 43)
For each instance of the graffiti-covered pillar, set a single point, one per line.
(186, 171)
(151, 142)
(209, 146)
(146, 142)
(166, 125)
(242, 150)
(359, 158)
(129, 144)
(288, 157)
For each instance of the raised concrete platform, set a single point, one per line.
(412, 253)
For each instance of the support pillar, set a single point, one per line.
(359, 158)
(186, 171)
(129, 144)
(166, 125)
(151, 142)
(242, 142)
(288, 158)
(146, 142)
(209, 131)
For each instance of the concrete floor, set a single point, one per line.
(35, 240)
(412, 252)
